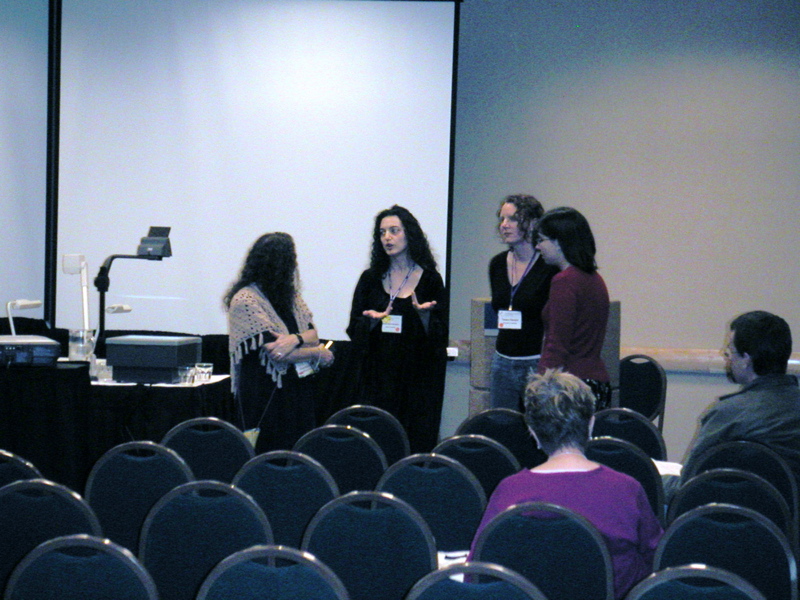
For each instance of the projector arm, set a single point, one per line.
(102, 282)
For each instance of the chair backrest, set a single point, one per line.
(14, 467)
(447, 495)
(694, 582)
(381, 425)
(555, 548)
(756, 458)
(627, 458)
(376, 543)
(631, 426)
(80, 567)
(290, 487)
(643, 386)
(736, 539)
(487, 459)
(352, 457)
(474, 581)
(127, 481)
(33, 511)
(508, 427)
(213, 448)
(733, 486)
(192, 528)
(275, 572)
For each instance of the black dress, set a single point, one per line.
(402, 373)
(284, 414)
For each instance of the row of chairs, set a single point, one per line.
(379, 545)
(83, 567)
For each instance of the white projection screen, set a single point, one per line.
(227, 119)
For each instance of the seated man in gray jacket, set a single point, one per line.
(767, 408)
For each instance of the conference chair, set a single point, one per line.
(733, 486)
(474, 581)
(80, 567)
(352, 457)
(694, 582)
(13, 468)
(643, 386)
(508, 427)
(381, 425)
(755, 458)
(555, 548)
(33, 511)
(376, 543)
(192, 528)
(631, 426)
(447, 495)
(630, 459)
(275, 572)
(290, 488)
(127, 481)
(487, 459)
(213, 448)
(734, 538)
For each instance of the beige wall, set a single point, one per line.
(673, 130)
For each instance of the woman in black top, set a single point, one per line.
(398, 325)
(520, 283)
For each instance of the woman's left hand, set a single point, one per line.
(283, 345)
(424, 305)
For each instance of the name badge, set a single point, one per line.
(392, 324)
(509, 319)
(304, 369)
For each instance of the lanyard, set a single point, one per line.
(405, 280)
(515, 287)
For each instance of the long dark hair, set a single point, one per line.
(572, 232)
(418, 248)
(271, 264)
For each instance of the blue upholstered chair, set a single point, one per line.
(447, 495)
(354, 460)
(474, 581)
(213, 448)
(127, 481)
(377, 544)
(80, 567)
(555, 548)
(274, 572)
(290, 487)
(33, 511)
(192, 528)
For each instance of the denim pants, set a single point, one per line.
(509, 380)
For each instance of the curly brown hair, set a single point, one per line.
(271, 264)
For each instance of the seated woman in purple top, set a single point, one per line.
(559, 411)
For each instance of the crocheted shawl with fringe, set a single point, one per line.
(250, 315)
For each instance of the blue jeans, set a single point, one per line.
(509, 380)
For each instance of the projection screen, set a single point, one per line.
(225, 120)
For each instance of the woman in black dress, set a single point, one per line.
(398, 326)
(273, 345)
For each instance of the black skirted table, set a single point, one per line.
(62, 423)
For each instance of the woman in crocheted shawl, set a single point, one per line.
(273, 345)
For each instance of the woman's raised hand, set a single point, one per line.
(424, 305)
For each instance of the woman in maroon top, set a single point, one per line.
(576, 312)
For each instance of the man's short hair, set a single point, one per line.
(766, 338)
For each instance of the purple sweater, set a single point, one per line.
(575, 319)
(615, 503)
